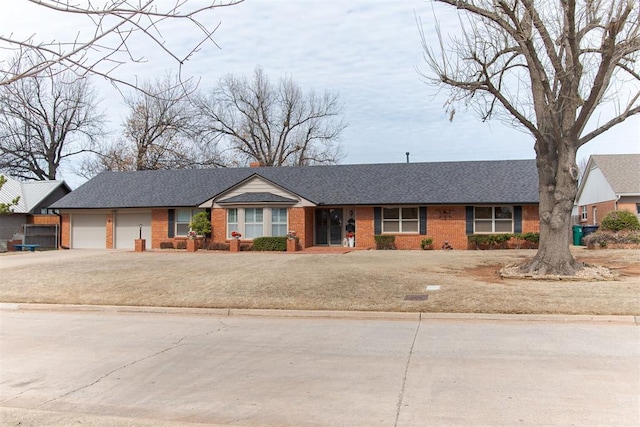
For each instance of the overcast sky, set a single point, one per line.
(368, 51)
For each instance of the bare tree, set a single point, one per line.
(161, 132)
(117, 24)
(274, 125)
(548, 66)
(7, 208)
(44, 121)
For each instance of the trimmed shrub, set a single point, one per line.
(270, 244)
(620, 220)
(166, 245)
(181, 244)
(489, 239)
(500, 240)
(385, 241)
(217, 246)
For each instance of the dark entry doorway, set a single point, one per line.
(328, 226)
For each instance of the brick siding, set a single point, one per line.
(602, 208)
(444, 223)
(109, 231)
(159, 227)
(65, 230)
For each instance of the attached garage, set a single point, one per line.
(88, 231)
(127, 229)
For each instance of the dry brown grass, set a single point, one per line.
(360, 280)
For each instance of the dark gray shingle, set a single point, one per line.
(477, 182)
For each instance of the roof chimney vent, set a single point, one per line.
(255, 164)
(407, 153)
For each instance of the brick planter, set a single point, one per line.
(234, 245)
(192, 245)
(292, 245)
(140, 245)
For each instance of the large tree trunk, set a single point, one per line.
(557, 175)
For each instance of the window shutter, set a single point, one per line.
(423, 220)
(377, 220)
(469, 219)
(172, 223)
(517, 219)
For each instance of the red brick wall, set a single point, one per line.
(364, 227)
(298, 222)
(602, 209)
(65, 230)
(218, 225)
(628, 206)
(444, 223)
(530, 219)
(109, 230)
(159, 227)
(447, 223)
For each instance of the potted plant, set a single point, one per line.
(351, 239)
(427, 243)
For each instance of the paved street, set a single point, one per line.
(125, 368)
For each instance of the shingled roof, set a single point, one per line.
(32, 193)
(622, 171)
(472, 182)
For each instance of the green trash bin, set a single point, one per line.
(577, 235)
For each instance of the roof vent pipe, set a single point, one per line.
(407, 153)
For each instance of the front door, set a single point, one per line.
(328, 226)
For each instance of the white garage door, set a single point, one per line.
(128, 229)
(89, 231)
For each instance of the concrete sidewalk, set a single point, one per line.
(329, 314)
(112, 367)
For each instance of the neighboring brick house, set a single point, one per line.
(610, 182)
(33, 206)
(446, 201)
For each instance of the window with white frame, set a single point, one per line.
(183, 218)
(257, 222)
(279, 221)
(400, 220)
(232, 221)
(253, 223)
(583, 215)
(493, 219)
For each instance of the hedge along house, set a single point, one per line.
(446, 201)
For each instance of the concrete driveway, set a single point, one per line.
(115, 368)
